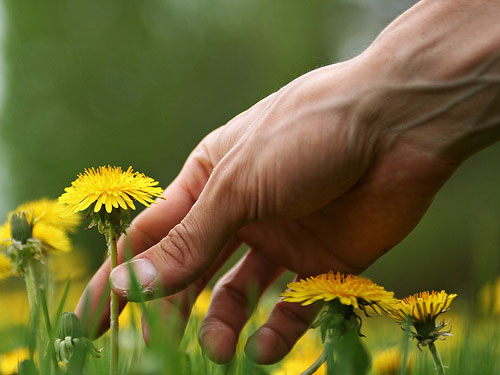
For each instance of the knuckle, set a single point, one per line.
(233, 182)
(177, 248)
(227, 291)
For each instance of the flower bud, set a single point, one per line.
(69, 326)
(21, 228)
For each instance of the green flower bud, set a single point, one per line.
(21, 229)
(69, 326)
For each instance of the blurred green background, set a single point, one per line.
(88, 83)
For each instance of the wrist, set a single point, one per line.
(436, 77)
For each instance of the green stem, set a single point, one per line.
(29, 278)
(437, 359)
(316, 365)
(113, 319)
(406, 348)
(48, 326)
(32, 291)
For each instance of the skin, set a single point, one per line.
(328, 173)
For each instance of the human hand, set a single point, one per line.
(326, 174)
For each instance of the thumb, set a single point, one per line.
(189, 248)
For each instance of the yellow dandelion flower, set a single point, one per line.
(6, 268)
(422, 307)
(47, 224)
(350, 290)
(9, 362)
(109, 187)
(53, 238)
(389, 362)
(48, 211)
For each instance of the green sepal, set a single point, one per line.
(427, 332)
(20, 254)
(68, 347)
(118, 218)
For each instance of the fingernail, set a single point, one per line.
(144, 271)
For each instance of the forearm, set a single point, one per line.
(436, 76)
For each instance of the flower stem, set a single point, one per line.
(437, 359)
(32, 291)
(113, 319)
(406, 348)
(316, 365)
(29, 278)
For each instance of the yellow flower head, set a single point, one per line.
(48, 211)
(422, 307)
(109, 187)
(389, 362)
(350, 290)
(47, 224)
(6, 268)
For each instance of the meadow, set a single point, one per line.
(473, 349)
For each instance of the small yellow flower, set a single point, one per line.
(6, 268)
(389, 362)
(108, 187)
(9, 362)
(350, 290)
(422, 307)
(47, 224)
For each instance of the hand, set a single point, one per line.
(328, 173)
